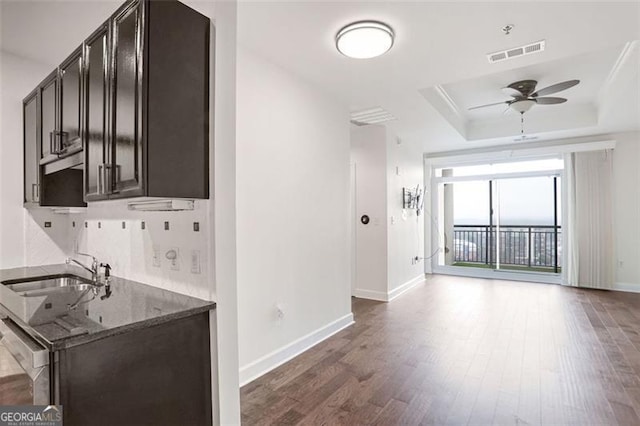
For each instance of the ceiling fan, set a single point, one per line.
(525, 95)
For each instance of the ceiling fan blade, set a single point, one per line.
(510, 91)
(558, 87)
(488, 105)
(550, 100)
(521, 89)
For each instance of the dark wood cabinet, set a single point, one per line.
(96, 68)
(156, 141)
(159, 375)
(135, 99)
(30, 123)
(68, 135)
(125, 171)
(48, 92)
(53, 168)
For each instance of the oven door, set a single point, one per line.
(24, 367)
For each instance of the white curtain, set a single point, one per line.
(589, 254)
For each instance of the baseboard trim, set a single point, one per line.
(627, 287)
(263, 365)
(380, 296)
(406, 287)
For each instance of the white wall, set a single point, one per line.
(293, 211)
(387, 246)
(626, 170)
(406, 228)
(369, 156)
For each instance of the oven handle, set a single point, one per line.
(29, 353)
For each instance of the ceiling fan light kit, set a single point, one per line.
(522, 106)
(525, 96)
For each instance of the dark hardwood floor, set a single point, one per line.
(466, 351)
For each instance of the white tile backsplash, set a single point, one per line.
(129, 250)
(45, 245)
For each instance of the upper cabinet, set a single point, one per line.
(48, 92)
(126, 114)
(155, 137)
(31, 148)
(70, 105)
(96, 95)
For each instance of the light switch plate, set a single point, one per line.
(195, 261)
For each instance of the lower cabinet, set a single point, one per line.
(159, 375)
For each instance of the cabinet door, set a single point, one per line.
(96, 113)
(70, 104)
(126, 139)
(48, 116)
(31, 148)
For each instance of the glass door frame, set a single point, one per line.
(437, 238)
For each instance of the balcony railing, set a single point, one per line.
(525, 247)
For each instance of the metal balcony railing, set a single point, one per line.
(532, 247)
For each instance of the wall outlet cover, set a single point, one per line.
(195, 262)
(173, 256)
(156, 256)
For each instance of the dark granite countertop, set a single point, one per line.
(130, 305)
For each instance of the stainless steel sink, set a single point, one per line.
(44, 286)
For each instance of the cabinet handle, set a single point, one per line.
(35, 196)
(100, 178)
(52, 149)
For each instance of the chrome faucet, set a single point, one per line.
(94, 266)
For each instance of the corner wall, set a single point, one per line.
(369, 158)
(386, 248)
(405, 169)
(293, 210)
(626, 198)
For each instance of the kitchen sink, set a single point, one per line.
(53, 284)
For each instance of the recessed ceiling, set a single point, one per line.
(597, 71)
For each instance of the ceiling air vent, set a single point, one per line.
(371, 116)
(527, 49)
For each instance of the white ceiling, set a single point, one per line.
(45, 31)
(442, 44)
(597, 71)
(436, 44)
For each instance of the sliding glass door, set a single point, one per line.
(509, 222)
(527, 223)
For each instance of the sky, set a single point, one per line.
(518, 201)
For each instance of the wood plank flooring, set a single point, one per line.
(466, 351)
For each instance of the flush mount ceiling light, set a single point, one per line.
(364, 39)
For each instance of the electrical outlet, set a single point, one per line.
(280, 311)
(173, 256)
(156, 256)
(195, 261)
